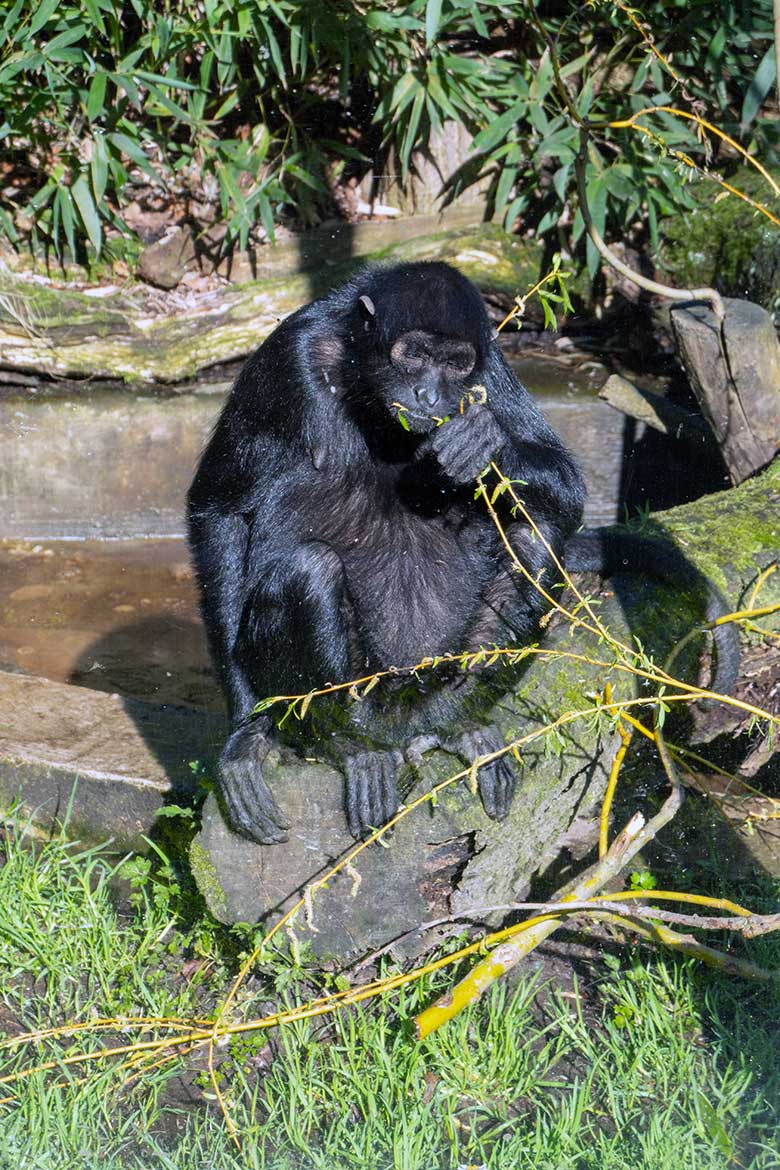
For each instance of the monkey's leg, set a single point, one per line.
(293, 637)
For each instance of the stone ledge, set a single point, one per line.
(108, 762)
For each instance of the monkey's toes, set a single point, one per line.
(250, 807)
(497, 784)
(497, 779)
(371, 790)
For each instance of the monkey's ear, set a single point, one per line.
(368, 305)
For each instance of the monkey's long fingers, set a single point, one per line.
(497, 784)
(249, 803)
(371, 791)
(391, 763)
(465, 445)
(498, 779)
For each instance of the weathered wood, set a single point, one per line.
(65, 333)
(735, 373)
(447, 159)
(654, 410)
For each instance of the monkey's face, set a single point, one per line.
(424, 378)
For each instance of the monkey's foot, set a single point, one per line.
(249, 804)
(371, 790)
(497, 780)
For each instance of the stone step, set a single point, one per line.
(104, 761)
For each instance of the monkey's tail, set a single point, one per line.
(599, 550)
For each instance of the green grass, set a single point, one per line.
(646, 1064)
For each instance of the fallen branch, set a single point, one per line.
(626, 845)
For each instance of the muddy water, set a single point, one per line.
(119, 617)
(95, 583)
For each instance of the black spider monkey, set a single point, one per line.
(335, 533)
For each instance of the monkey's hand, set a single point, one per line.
(250, 807)
(465, 445)
(371, 790)
(497, 780)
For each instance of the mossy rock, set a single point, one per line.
(65, 333)
(451, 857)
(725, 244)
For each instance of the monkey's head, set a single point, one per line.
(422, 336)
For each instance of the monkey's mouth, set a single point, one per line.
(412, 419)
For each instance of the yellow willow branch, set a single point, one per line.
(520, 302)
(626, 845)
(628, 123)
(505, 485)
(649, 42)
(617, 764)
(686, 944)
(761, 581)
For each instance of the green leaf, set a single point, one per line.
(561, 144)
(432, 20)
(304, 176)
(126, 85)
(561, 181)
(95, 15)
(762, 82)
(274, 50)
(410, 137)
(619, 181)
(63, 39)
(403, 93)
(164, 79)
(12, 25)
(382, 21)
(88, 212)
(266, 215)
(715, 48)
(499, 127)
(438, 95)
(97, 96)
(134, 152)
(45, 9)
(508, 175)
(98, 167)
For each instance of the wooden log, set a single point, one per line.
(71, 333)
(654, 410)
(735, 373)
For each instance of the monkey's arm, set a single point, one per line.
(219, 543)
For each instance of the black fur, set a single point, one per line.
(331, 542)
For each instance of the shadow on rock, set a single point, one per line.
(159, 666)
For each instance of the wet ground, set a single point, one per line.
(118, 617)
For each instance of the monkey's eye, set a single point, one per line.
(459, 358)
(417, 350)
(411, 352)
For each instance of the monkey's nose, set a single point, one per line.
(427, 395)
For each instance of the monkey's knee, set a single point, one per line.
(317, 563)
